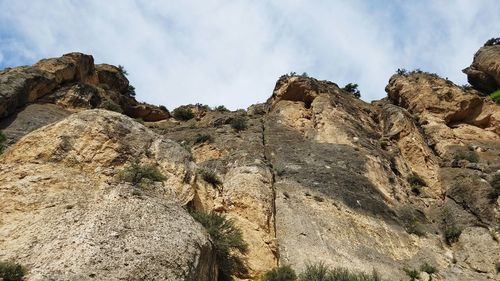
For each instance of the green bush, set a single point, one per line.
(130, 91)
(495, 96)
(10, 271)
(221, 108)
(492, 42)
(428, 268)
(210, 177)
(3, 138)
(470, 156)
(416, 183)
(320, 272)
(353, 89)
(282, 273)
(183, 113)
(383, 143)
(451, 230)
(495, 184)
(112, 106)
(412, 273)
(239, 124)
(122, 70)
(452, 233)
(139, 174)
(228, 242)
(401, 71)
(201, 138)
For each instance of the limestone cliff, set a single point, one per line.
(311, 175)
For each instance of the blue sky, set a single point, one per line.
(232, 52)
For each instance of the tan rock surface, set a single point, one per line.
(484, 72)
(65, 216)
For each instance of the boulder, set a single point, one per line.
(66, 216)
(112, 77)
(70, 67)
(147, 112)
(484, 72)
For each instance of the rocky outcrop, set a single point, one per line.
(147, 112)
(484, 72)
(66, 216)
(112, 77)
(74, 83)
(448, 114)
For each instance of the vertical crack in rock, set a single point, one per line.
(273, 180)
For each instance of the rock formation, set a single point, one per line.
(311, 175)
(484, 72)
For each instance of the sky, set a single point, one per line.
(232, 52)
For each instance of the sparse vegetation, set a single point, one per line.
(411, 222)
(210, 177)
(112, 106)
(130, 91)
(495, 96)
(202, 107)
(416, 183)
(470, 156)
(304, 74)
(353, 89)
(3, 138)
(401, 71)
(10, 271)
(140, 174)
(495, 184)
(183, 113)
(492, 42)
(425, 267)
(202, 138)
(282, 273)
(239, 123)
(383, 143)
(451, 230)
(412, 273)
(320, 272)
(122, 70)
(452, 233)
(163, 108)
(228, 242)
(221, 108)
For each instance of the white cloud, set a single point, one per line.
(232, 52)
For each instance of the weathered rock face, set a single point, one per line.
(65, 216)
(447, 114)
(317, 175)
(484, 72)
(112, 77)
(74, 83)
(147, 113)
(246, 194)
